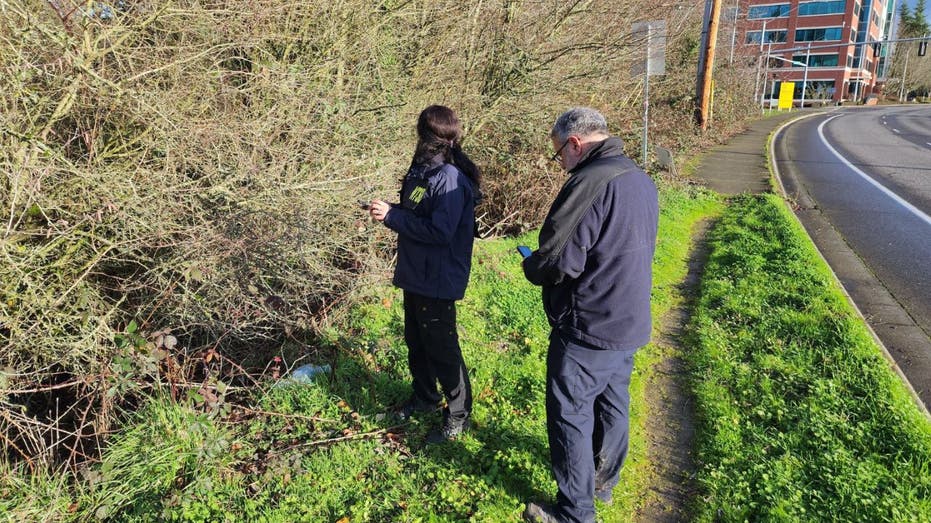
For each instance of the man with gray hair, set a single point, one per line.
(594, 264)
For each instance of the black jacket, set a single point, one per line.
(596, 251)
(435, 222)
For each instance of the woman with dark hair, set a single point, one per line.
(435, 222)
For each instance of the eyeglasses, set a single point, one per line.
(558, 156)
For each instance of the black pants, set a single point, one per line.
(587, 421)
(433, 354)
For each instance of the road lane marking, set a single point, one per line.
(911, 208)
(897, 131)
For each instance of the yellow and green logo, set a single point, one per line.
(417, 194)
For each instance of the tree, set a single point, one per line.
(916, 77)
(913, 23)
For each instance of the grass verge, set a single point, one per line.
(328, 452)
(801, 418)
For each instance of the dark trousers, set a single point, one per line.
(433, 354)
(587, 421)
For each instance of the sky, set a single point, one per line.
(911, 6)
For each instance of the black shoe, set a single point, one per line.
(604, 495)
(412, 406)
(451, 430)
(540, 513)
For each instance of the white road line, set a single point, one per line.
(897, 131)
(929, 143)
(911, 208)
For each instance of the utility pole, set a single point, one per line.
(759, 66)
(704, 94)
(801, 104)
(764, 93)
(904, 76)
(736, 11)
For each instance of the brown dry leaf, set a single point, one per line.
(386, 302)
(342, 520)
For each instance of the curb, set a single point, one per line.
(774, 169)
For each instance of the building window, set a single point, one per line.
(768, 11)
(818, 35)
(819, 90)
(849, 61)
(856, 9)
(816, 60)
(753, 37)
(775, 63)
(814, 89)
(822, 8)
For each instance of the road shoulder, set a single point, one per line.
(903, 343)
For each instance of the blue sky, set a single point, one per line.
(911, 5)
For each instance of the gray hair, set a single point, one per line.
(579, 121)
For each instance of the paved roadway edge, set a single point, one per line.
(776, 175)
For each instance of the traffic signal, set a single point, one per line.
(922, 48)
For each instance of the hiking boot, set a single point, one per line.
(540, 513)
(604, 495)
(451, 429)
(412, 406)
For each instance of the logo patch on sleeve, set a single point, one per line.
(417, 194)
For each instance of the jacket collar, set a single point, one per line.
(612, 146)
(426, 169)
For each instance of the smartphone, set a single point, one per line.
(364, 204)
(524, 250)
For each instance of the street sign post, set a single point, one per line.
(653, 36)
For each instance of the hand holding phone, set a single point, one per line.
(524, 250)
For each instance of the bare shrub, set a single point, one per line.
(187, 171)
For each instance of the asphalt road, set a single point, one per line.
(861, 179)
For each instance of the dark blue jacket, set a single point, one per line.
(596, 252)
(435, 222)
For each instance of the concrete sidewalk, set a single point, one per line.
(739, 166)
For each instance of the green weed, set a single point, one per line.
(331, 450)
(801, 419)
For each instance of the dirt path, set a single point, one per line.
(671, 412)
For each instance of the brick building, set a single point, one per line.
(823, 34)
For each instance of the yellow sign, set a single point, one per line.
(786, 91)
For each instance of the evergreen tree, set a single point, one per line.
(913, 23)
(920, 19)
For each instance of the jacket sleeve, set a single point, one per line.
(570, 261)
(437, 227)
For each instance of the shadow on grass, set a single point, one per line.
(493, 451)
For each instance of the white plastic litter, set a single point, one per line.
(304, 374)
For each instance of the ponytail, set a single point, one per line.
(465, 164)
